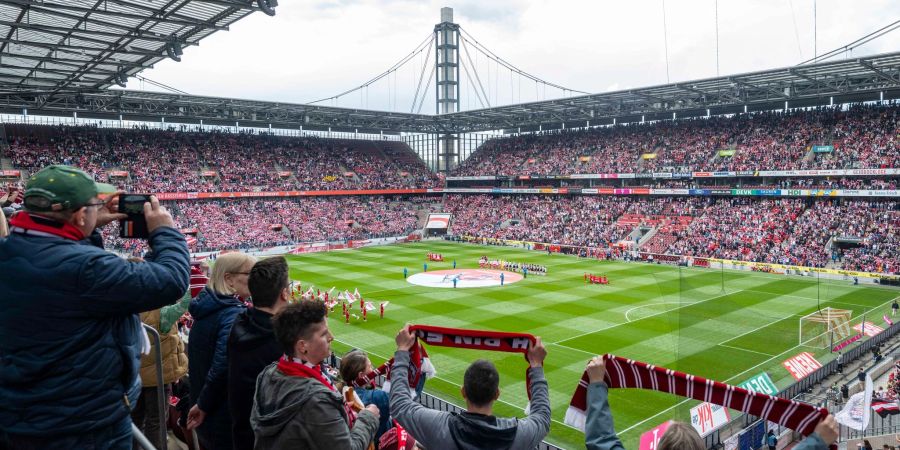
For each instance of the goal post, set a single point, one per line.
(825, 327)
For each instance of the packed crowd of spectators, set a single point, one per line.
(578, 221)
(861, 137)
(260, 223)
(181, 161)
(785, 231)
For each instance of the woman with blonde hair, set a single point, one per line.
(214, 311)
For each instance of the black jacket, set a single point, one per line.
(251, 347)
(208, 363)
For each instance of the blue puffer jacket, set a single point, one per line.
(69, 334)
(213, 315)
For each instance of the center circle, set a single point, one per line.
(465, 278)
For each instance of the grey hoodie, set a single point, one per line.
(438, 430)
(293, 412)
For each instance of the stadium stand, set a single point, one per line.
(173, 161)
(860, 137)
(255, 223)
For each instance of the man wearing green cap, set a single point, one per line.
(70, 338)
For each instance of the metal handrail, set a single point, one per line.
(160, 387)
(140, 438)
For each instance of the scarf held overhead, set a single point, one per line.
(627, 373)
(453, 337)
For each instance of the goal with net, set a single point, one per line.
(825, 327)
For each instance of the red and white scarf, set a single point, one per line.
(26, 223)
(290, 367)
(627, 373)
(497, 341)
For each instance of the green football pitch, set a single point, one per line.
(724, 325)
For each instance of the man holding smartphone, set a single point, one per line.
(70, 338)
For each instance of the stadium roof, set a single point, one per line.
(66, 46)
(60, 81)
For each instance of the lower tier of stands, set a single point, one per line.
(853, 234)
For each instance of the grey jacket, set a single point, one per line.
(600, 435)
(812, 442)
(436, 429)
(292, 413)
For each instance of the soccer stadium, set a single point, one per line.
(455, 253)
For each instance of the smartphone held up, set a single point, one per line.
(135, 225)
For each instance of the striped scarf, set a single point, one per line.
(453, 337)
(627, 373)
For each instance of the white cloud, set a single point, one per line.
(311, 50)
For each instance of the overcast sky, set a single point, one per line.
(312, 50)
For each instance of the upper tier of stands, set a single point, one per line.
(170, 161)
(861, 137)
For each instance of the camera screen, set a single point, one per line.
(134, 204)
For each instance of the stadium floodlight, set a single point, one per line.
(173, 49)
(121, 78)
(267, 6)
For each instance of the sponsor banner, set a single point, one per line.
(207, 173)
(478, 178)
(745, 173)
(662, 175)
(783, 267)
(723, 174)
(10, 173)
(699, 191)
(523, 177)
(589, 191)
(669, 191)
(822, 148)
(706, 418)
(606, 191)
(702, 174)
(760, 383)
(720, 191)
(846, 343)
(642, 175)
(726, 153)
(870, 329)
(681, 175)
(348, 174)
(621, 175)
(118, 173)
(800, 366)
(650, 439)
(648, 156)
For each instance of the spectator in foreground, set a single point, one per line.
(70, 338)
(476, 427)
(252, 344)
(296, 405)
(354, 364)
(214, 312)
(600, 435)
(146, 414)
